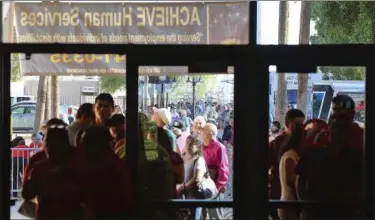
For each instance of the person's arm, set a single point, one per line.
(290, 168)
(200, 169)
(223, 169)
(30, 187)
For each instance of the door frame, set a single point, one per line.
(251, 64)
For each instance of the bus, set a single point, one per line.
(292, 91)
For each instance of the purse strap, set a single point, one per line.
(185, 192)
(207, 173)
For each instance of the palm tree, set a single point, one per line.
(304, 36)
(55, 90)
(47, 108)
(281, 95)
(41, 101)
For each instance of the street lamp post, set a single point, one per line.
(163, 81)
(194, 80)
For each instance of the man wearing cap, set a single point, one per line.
(162, 117)
(116, 125)
(180, 131)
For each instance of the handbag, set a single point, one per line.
(206, 189)
(28, 209)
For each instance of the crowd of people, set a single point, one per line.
(318, 162)
(80, 171)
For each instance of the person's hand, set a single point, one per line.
(222, 190)
(180, 188)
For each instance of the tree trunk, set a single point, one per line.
(47, 109)
(40, 104)
(152, 91)
(146, 94)
(55, 89)
(281, 95)
(304, 38)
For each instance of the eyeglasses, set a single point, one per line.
(57, 126)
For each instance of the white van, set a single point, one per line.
(16, 99)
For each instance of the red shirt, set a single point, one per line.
(216, 158)
(59, 188)
(356, 139)
(108, 188)
(25, 153)
(39, 156)
(39, 145)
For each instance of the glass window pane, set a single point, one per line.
(48, 86)
(302, 165)
(315, 22)
(119, 23)
(178, 106)
(318, 98)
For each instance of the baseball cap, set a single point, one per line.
(164, 114)
(179, 124)
(116, 119)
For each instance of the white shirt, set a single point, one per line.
(189, 169)
(287, 193)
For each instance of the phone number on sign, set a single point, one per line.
(87, 58)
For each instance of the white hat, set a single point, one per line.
(164, 114)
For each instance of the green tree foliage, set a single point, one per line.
(181, 88)
(15, 68)
(343, 22)
(111, 84)
(184, 89)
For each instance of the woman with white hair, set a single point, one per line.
(198, 124)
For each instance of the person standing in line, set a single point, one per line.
(198, 124)
(116, 126)
(162, 117)
(274, 130)
(216, 158)
(181, 134)
(104, 106)
(85, 117)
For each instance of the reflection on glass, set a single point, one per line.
(119, 23)
(317, 103)
(190, 101)
(359, 100)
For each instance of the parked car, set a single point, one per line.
(17, 99)
(23, 116)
